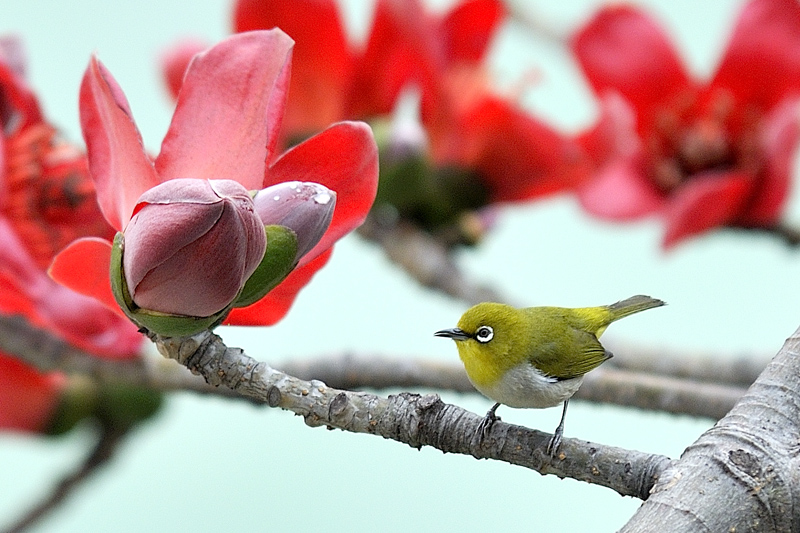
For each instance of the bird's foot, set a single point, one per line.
(485, 427)
(555, 442)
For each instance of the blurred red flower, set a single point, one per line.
(500, 152)
(702, 154)
(47, 199)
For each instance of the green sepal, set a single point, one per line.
(278, 261)
(164, 324)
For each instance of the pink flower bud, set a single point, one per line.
(191, 245)
(305, 208)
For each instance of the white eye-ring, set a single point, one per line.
(484, 334)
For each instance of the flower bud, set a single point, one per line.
(305, 208)
(190, 247)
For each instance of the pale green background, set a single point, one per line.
(209, 464)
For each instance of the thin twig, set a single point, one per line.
(101, 454)
(425, 259)
(788, 234)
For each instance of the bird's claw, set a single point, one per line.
(485, 427)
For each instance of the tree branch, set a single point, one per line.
(744, 473)
(738, 371)
(607, 385)
(604, 385)
(417, 420)
(425, 259)
(788, 234)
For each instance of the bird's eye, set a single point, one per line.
(484, 334)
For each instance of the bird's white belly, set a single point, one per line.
(525, 387)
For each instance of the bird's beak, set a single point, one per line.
(457, 334)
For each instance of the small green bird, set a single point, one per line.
(535, 357)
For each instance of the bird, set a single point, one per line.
(535, 357)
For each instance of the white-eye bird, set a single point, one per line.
(535, 357)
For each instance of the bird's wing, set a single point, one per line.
(580, 353)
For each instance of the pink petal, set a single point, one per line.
(274, 306)
(344, 158)
(322, 61)
(704, 202)
(121, 169)
(762, 62)
(78, 319)
(779, 138)
(620, 191)
(229, 110)
(623, 50)
(15, 261)
(84, 267)
(88, 324)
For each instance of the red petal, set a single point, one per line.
(175, 61)
(274, 306)
(121, 169)
(623, 50)
(321, 60)
(28, 399)
(517, 156)
(704, 202)
(402, 49)
(762, 62)
(344, 158)
(229, 110)
(84, 267)
(779, 138)
(468, 28)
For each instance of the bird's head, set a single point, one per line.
(489, 338)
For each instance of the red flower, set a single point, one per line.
(512, 155)
(702, 154)
(224, 128)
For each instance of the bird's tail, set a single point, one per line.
(632, 305)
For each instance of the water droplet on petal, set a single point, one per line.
(276, 197)
(322, 198)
